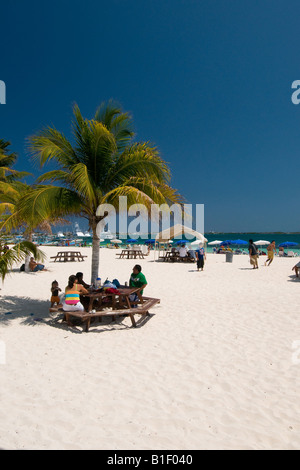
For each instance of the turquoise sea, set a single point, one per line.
(278, 237)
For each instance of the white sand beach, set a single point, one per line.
(212, 368)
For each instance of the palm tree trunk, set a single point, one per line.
(27, 259)
(95, 256)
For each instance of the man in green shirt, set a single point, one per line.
(137, 279)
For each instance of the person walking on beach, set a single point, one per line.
(296, 268)
(271, 251)
(201, 256)
(253, 254)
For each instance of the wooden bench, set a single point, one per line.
(141, 309)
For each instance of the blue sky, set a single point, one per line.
(209, 82)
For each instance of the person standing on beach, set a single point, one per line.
(253, 254)
(201, 256)
(271, 251)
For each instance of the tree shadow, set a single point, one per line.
(32, 312)
(29, 311)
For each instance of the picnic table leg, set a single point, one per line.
(140, 297)
(87, 324)
(91, 305)
(132, 319)
(68, 319)
(113, 306)
(128, 301)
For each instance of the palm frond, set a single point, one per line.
(16, 254)
(138, 160)
(50, 144)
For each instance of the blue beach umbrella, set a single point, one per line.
(239, 242)
(151, 241)
(226, 243)
(131, 240)
(287, 244)
(181, 242)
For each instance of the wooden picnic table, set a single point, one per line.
(65, 256)
(174, 256)
(119, 300)
(131, 254)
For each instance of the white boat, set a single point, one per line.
(78, 232)
(107, 235)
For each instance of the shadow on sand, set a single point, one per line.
(32, 312)
(293, 278)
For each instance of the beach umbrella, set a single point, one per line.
(215, 242)
(115, 240)
(151, 241)
(226, 243)
(239, 242)
(287, 244)
(196, 242)
(181, 242)
(262, 242)
(131, 240)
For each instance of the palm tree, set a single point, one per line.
(12, 215)
(16, 254)
(7, 160)
(102, 164)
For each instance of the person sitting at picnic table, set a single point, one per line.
(35, 267)
(79, 277)
(83, 299)
(137, 279)
(182, 251)
(191, 254)
(72, 295)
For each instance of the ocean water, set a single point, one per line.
(278, 237)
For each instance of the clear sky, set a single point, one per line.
(209, 82)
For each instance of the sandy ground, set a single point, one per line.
(214, 367)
